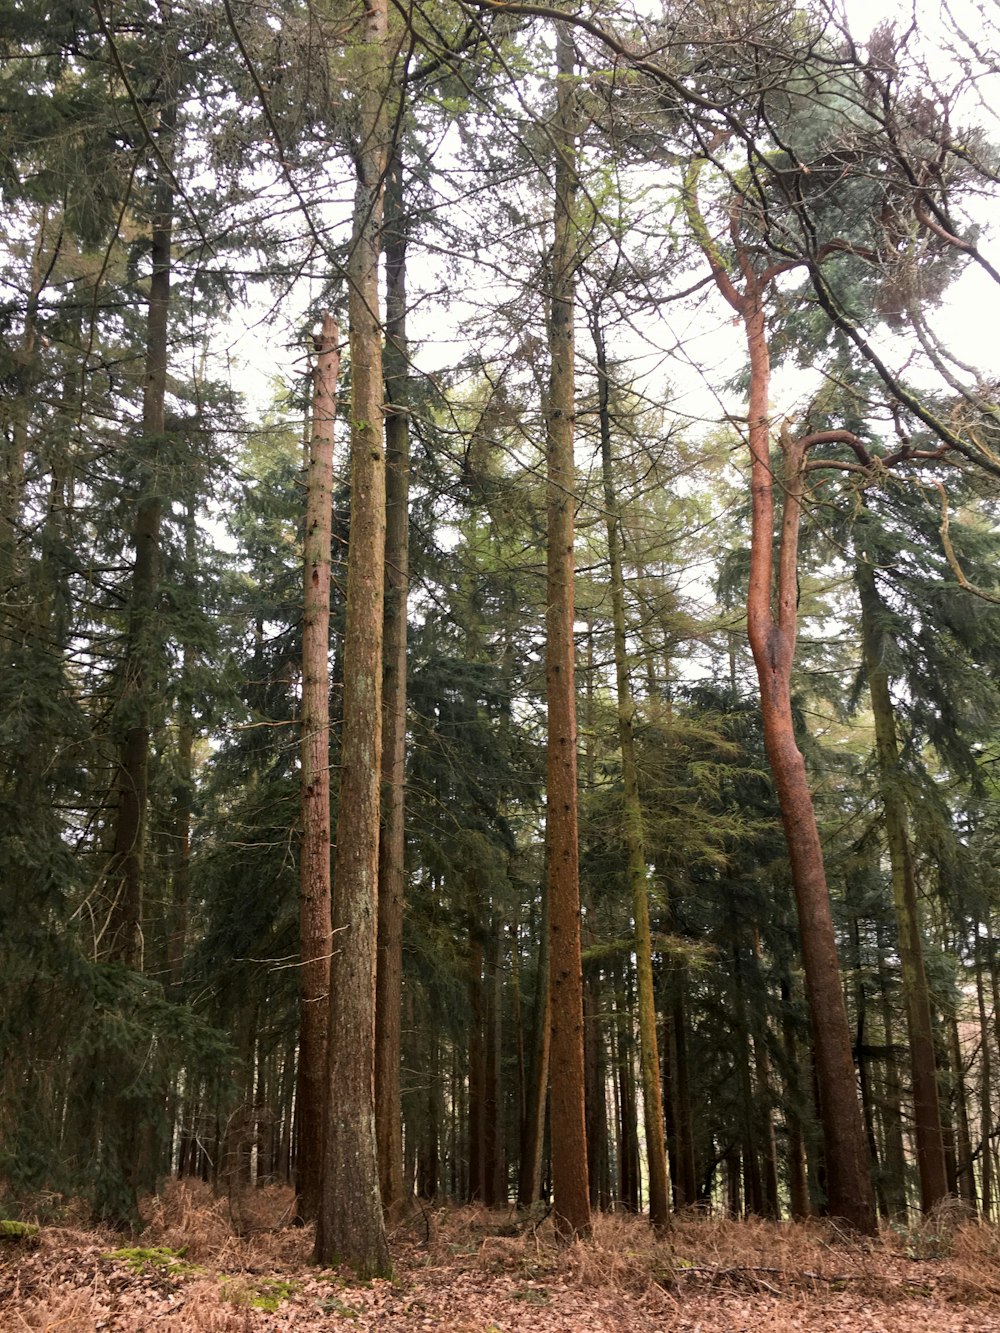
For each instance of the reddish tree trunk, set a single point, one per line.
(772, 634)
(772, 641)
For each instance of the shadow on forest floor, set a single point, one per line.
(204, 1263)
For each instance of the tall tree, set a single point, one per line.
(351, 1227)
(392, 843)
(916, 993)
(124, 876)
(632, 817)
(772, 625)
(567, 1096)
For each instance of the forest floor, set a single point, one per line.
(207, 1264)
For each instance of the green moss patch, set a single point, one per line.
(267, 1293)
(19, 1233)
(153, 1259)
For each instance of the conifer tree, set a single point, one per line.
(569, 1144)
(351, 1227)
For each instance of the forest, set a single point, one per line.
(499, 613)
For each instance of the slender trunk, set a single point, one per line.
(628, 1125)
(753, 1192)
(762, 1065)
(492, 1073)
(686, 1179)
(985, 1086)
(392, 847)
(734, 1195)
(994, 966)
(315, 939)
(635, 854)
(124, 1123)
(927, 1113)
(893, 1153)
(184, 781)
(597, 1110)
(351, 1227)
(861, 1049)
(571, 1199)
(529, 1183)
(123, 938)
(477, 1065)
(798, 1183)
(963, 1145)
(428, 1166)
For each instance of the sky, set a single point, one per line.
(257, 353)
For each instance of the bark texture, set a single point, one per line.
(350, 1228)
(392, 847)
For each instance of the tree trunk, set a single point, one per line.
(494, 1194)
(314, 856)
(753, 1191)
(985, 1086)
(966, 1178)
(597, 1105)
(128, 1165)
(183, 813)
(477, 1065)
(392, 847)
(861, 1049)
(529, 1181)
(571, 1199)
(686, 1181)
(893, 1151)
(772, 636)
(773, 646)
(798, 1183)
(927, 1113)
(762, 1066)
(635, 854)
(123, 939)
(351, 1228)
(628, 1125)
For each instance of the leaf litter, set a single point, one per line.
(226, 1266)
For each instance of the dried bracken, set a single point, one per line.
(469, 1271)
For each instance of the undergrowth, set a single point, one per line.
(228, 1278)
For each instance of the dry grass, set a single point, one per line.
(187, 1215)
(470, 1271)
